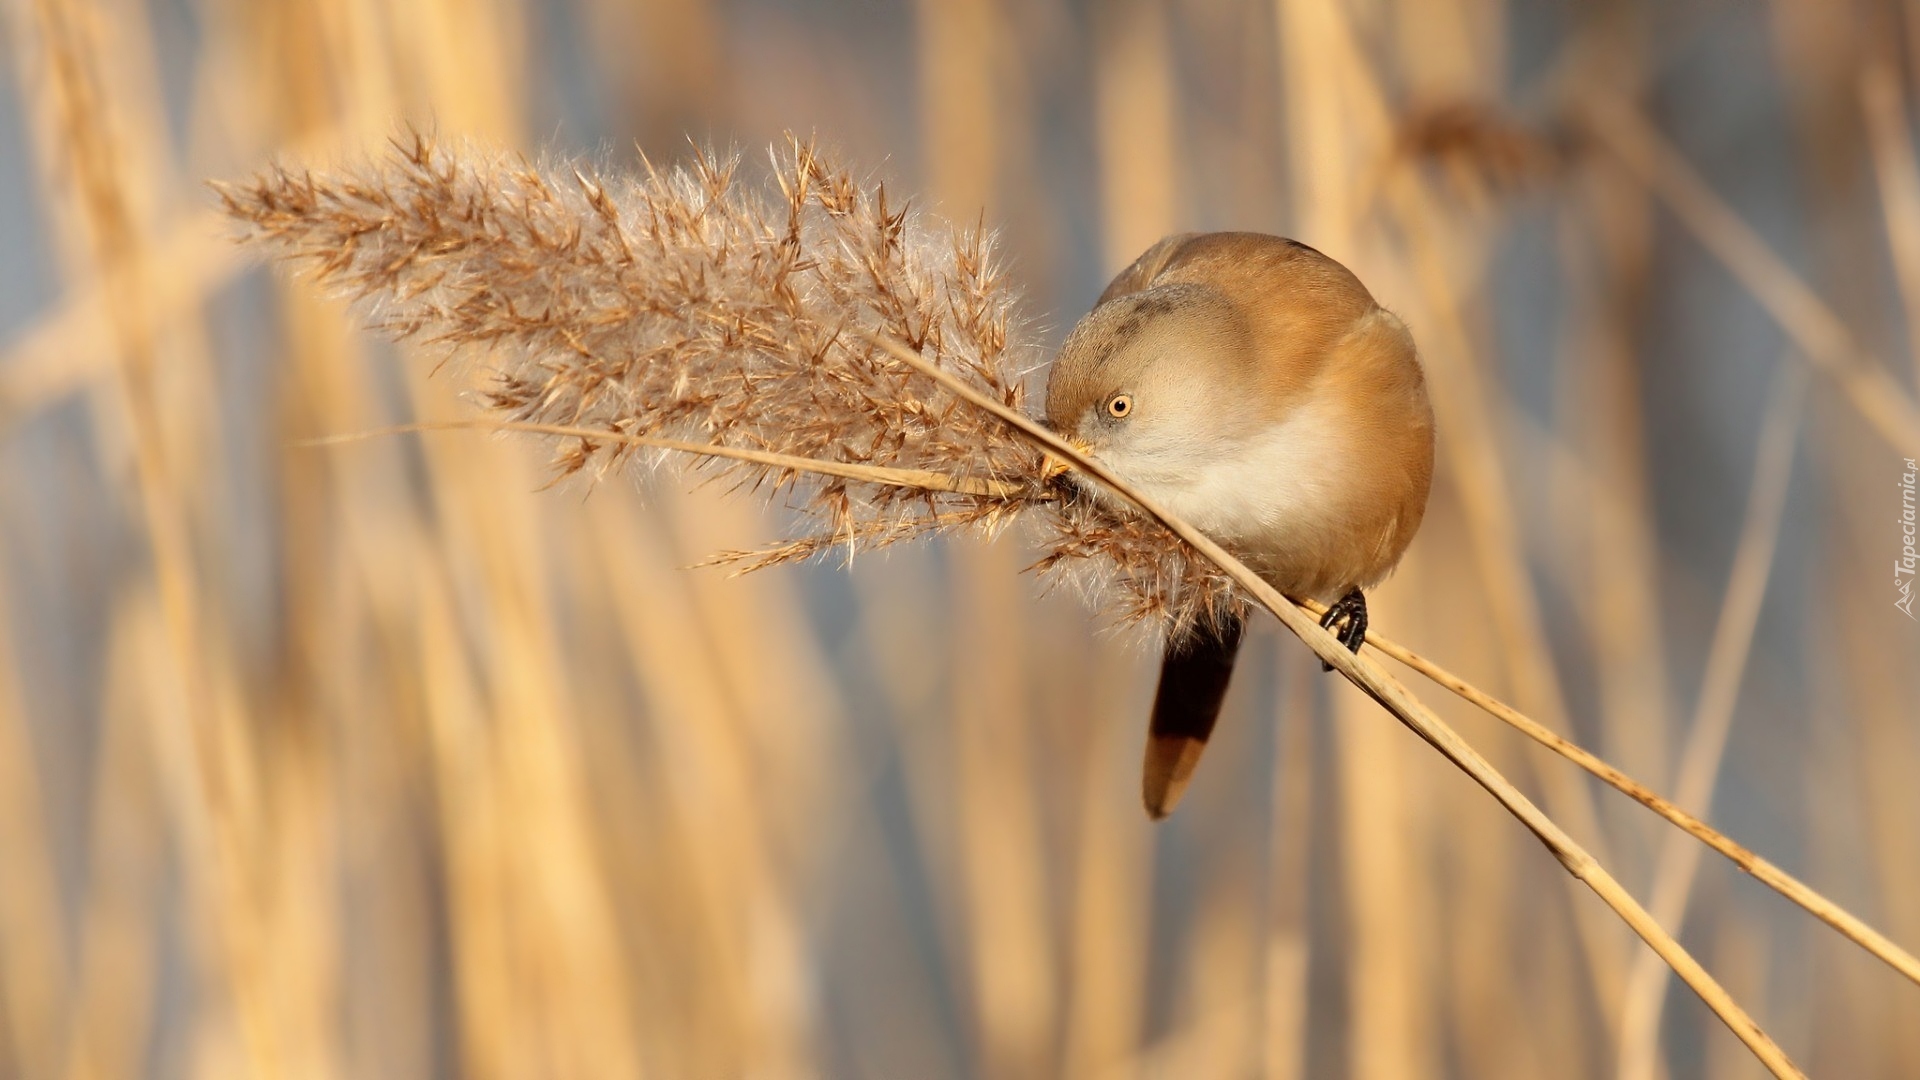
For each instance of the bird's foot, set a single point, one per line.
(1350, 612)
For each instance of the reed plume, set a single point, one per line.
(684, 308)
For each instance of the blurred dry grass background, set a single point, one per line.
(380, 761)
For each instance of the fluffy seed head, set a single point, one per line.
(683, 304)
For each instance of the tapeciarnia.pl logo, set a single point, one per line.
(1903, 567)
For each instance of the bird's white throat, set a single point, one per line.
(1273, 483)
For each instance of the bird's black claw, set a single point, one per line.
(1350, 611)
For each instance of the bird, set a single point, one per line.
(1254, 387)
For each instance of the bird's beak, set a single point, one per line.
(1053, 467)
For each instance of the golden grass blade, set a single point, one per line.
(71, 348)
(1106, 962)
(920, 479)
(1899, 177)
(1713, 713)
(1460, 403)
(1136, 116)
(74, 347)
(1382, 687)
(1604, 493)
(1289, 941)
(209, 784)
(1812, 325)
(1763, 871)
(35, 996)
(1383, 826)
(1329, 64)
(1002, 850)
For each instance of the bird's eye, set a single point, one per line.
(1120, 406)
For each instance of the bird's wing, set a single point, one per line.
(1193, 681)
(1148, 266)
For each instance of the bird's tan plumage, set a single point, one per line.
(1270, 401)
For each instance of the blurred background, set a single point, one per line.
(378, 760)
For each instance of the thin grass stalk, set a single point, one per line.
(1849, 925)
(712, 784)
(1808, 321)
(1382, 687)
(775, 671)
(570, 991)
(1289, 817)
(1106, 962)
(1387, 956)
(36, 1005)
(1217, 978)
(1745, 952)
(903, 630)
(1706, 740)
(486, 1023)
(568, 985)
(115, 986)
(1763, 871)
(211, 800)
(1005, 873)
(1003, 855)
(1461, 408)
(1607, 510)
(74, 347)
(1136, 111)
(1891, 139)
(913, 479)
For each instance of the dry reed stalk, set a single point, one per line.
(1848, 924)
(1003, 857)
(1288, 945)
(1388, 988)
(1812, 325)
(1391, 943)
(565, 993)
(1461, 406)
(33, 974)
(905, 632)
(96, 141)
(1217, 983)
(1742, 949)
(75, 346)
(737, 858)
(1706, 739)
(535, 975)
(1383, 688)
(1110, 964)
(1106, 963)
(1334, 67)
(1899, 180)
(112, 1009)
(1006, 877)
(1135, 115)
(1606, 254)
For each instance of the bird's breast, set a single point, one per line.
(1288, 496)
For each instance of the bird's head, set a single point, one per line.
(1151, 383)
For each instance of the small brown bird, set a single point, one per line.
(1252, 386)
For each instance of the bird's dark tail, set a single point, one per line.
(1193, 681)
